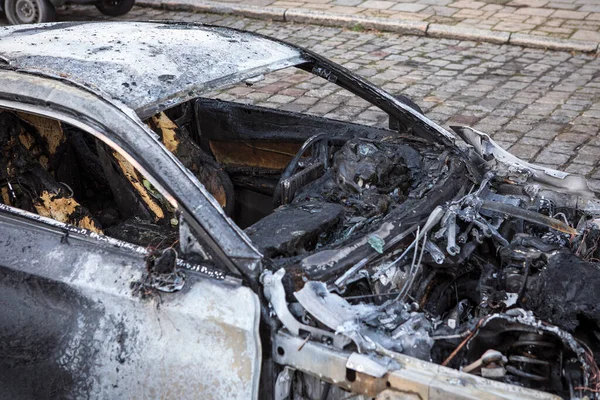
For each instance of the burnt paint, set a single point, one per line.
(168, 64)
(40, 318)
(47, 344)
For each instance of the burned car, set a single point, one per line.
(157, 243)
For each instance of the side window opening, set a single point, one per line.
(58, 171)
(294, 89)
(297, 179)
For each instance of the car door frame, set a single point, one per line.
(121, 129)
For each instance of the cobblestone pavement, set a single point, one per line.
(575, 19)
(544, 106)
(566, 19)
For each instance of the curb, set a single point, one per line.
(418, 28)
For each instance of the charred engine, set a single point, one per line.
(454, 255)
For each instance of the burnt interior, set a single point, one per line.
(500, 282)
(443, 258)
(60, 172)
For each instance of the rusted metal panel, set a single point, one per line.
(268, 155)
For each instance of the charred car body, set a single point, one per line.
(158, 243)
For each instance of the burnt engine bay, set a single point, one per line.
(398, 244)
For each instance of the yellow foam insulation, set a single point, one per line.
(130, 173)
(26, 139)
(49, 129)
(5, 196)
(63, 209)
(167, 129)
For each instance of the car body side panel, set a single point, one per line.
(73, 328)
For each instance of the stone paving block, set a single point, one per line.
(579, 169)
(379, 4)
(530, 141)
(444, 11)
(409, 7)
(523, 151)
(345, 9)
(591, 8)
(280, 99)
(468, 13)
(528, 3)
(586, 159)
(308, 101)
(348, 3)
(552, 158)
(322, 108)
(545, 12)
(552, 43)
(458, 32)
(467, 4)
(294, 107)
(556, 32)
(565, 14)
(582, 34)
(563, 6)
(513, 26)
(435, 2)
(492, 8)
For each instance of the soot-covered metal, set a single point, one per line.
(453, 257)
(462, 256)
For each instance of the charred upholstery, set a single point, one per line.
(31, 158)
(60, 172)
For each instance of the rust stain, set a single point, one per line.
(275, 156)
(218, 193)
(562, 227)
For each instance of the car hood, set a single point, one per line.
(148, 66)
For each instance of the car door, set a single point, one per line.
(73, 322)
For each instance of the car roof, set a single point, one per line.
(148, 66)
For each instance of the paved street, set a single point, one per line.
(577, 20)
(544, 106)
